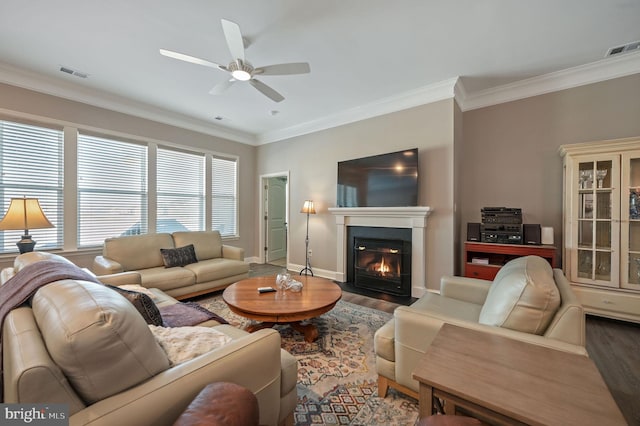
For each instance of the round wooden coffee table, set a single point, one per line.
(318, 296)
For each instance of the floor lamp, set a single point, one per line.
(308, 209)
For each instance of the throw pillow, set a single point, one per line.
(180, 256)
(143, 304)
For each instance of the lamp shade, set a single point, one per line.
(307, 207)
(24, 213)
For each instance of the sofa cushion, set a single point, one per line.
(135, 252)
(216, 269)
(96, 337)
(143, 304)
(167, 278)
(179, 256)
(522, 297)
(208, 244)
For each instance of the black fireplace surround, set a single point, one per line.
(379, 259)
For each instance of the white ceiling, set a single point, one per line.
(362, 53)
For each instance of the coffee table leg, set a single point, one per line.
(259, 326)
(309, 330)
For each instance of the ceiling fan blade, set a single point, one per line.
(284, 69)
(266, 90)
(191, 59)
(234, 39)
(221, 87)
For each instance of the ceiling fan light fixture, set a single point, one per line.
(241, 75)
(240, 70)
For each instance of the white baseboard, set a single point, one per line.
(324, 273)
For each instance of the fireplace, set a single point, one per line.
(380, 259)
(410, 219)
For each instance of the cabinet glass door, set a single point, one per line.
(596, 238)
(630, 221)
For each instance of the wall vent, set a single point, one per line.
(74, 72)
(627, 48)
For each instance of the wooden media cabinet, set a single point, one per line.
(484, 260)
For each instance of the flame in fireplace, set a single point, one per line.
(383, 268)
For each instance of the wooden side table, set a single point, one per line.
(505, 381)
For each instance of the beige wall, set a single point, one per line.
(312, 162)
(511, 155)
(16, 102)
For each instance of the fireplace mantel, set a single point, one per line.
(386, 217)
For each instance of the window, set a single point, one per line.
(224, 196)
(180, 191)
(112, 189)
(31, 165)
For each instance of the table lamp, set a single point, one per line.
(25, 213)
(307, 208)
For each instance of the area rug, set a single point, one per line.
(337, 381)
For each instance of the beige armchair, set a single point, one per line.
(527, 301)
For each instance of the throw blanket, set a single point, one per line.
(187, 314)
(26, 282)
(184, 343)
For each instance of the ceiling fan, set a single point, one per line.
(239, 68)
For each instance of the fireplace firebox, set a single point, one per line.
(380, 259)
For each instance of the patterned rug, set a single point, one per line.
(337, 381)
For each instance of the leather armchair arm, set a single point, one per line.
(416, 329)
(104, 266)
(122, 278)
(231, 252)
(252, 361)
(471, 290)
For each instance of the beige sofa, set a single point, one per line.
(83, 344)
(218, 264)
(527, 301)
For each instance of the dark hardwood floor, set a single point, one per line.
(614, 346)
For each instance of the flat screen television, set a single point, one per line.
(385, 180)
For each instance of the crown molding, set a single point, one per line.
(605, 69)
(424, 95)
(78, 93)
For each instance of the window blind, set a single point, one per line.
(180, 189)
(224, 191)
(112, 189)
(31, 165)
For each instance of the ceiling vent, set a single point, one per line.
(627, 48)
(74, 72)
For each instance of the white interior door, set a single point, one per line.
(276, 218)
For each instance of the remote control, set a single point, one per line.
(266, 289)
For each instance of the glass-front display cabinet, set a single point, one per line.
(602, 225)
(631, 220)
(596, 226)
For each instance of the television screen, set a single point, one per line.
(385, 180)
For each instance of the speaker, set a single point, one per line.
(531, 233)
(473, 232)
